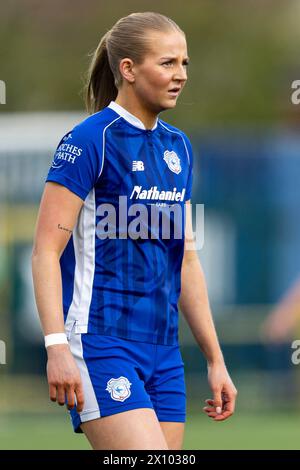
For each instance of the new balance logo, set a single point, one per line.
(138, 165)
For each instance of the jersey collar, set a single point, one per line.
(129, 117)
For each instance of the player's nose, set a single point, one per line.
(180, 75)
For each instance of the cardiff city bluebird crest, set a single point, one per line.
(173, 161)
(119, 388)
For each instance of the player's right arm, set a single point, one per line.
(58, 213)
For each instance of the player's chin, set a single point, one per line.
(170, 102)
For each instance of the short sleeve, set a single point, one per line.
(77, 162)
(189, 185)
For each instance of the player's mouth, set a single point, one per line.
(174, 91)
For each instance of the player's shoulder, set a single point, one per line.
(92, 127)
(181, 134)
(170, 128)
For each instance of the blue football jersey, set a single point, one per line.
(121, 268)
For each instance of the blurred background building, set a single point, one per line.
(237, 111)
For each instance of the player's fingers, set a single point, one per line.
(209, 413)
(79, 397)
(60, 395)
(230, 404)
(209, 408)
(212, 414)
(70, 397)
(52, 392)
(209, 401)
(217, 400)
(223, 416)
(228, 408)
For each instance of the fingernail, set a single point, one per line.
(218, 410)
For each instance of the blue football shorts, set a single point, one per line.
(120, 375)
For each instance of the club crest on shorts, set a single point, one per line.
(173, 161)
(119, 388)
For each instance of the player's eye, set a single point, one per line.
(186, 63)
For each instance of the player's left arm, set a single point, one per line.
(194, 305)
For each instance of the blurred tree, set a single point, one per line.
(239, 51)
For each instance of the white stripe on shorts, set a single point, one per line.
(91, 409)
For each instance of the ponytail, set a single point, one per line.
(101, 89)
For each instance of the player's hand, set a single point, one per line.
(223, 403)
(64, 377)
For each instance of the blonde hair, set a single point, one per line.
(127, 38)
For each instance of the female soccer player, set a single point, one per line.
(107, 285)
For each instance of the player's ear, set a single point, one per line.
(126, 68)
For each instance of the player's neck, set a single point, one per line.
(135, 108)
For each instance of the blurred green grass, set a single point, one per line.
(243, 431)
(29, 421)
